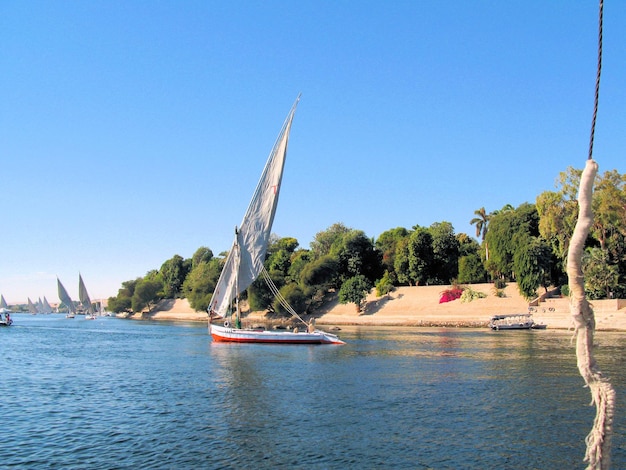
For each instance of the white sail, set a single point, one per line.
(3, 303)
(46, 306)
(31, 307)
(65, 298)
(245, 260)
(83, 296)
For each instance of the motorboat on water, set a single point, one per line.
(516, 321)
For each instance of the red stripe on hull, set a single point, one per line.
(220, 339)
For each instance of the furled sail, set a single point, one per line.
(245, 260)
(64, 297)
(83, 296)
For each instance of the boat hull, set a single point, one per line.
(516, 321)
(222, 334)
(512, 327)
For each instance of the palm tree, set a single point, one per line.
(481, 222)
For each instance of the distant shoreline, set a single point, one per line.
(420, 307)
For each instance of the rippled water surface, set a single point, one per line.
(121, 394)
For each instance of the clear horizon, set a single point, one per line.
(133, 131)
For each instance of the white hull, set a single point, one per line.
(515, 326)
(234, 335)
(521, 321)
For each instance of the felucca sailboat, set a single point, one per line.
(244, 262)
(85, 300)
(66, 299)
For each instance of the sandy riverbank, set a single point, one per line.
(419, 306)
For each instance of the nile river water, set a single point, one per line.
(122, 394)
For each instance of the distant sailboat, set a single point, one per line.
(66, 299)
(4, 310)
(244, 262)
(47, 309)
(85, 301)
(3, 305)
(32, 307)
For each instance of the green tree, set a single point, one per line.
(401, 262)
(200, 283)
(532, 262)
(147, 293)
(609, 207)
(601, 277)
(387, 244)
(260, 297)
(557, 218)
(323, 241)
(173, 272)
(202, 254)
(322, 272)
(471, 269)
(467, 245)
(421, 256)
(505, 229)
(481, 221)
(298, 262)
(354, 290)
(384, 285)
(295, 297)
(445, 249)
(357, 255)
(123, 301)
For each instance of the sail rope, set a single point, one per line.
(279, 296)
(599, 71)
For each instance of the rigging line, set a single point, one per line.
(595, 108)
(279, 296)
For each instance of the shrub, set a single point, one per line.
(451, 294)
(499, 292)
(470, 294)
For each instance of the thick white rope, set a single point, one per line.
(598, 454)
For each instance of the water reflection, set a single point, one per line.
(160, 395)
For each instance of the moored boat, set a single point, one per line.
(516, 321)
(244, 262)
(259, 335)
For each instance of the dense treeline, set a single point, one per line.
(527, 244)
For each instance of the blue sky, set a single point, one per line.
(132, 131)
